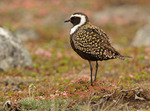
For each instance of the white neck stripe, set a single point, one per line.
(83, 20)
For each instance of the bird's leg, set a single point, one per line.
(91, 72)
(96, 70)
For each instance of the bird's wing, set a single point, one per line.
(95, 42)
(99, 32)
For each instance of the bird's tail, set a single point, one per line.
(122, 57)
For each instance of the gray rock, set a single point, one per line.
(12, 51)
(26, 34)
(142, 37)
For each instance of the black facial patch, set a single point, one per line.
(75, 20)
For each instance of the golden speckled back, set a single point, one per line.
(93, 42)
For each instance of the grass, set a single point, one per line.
(30, 103)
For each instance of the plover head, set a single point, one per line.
(77, 19)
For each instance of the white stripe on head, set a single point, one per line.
(82, 21)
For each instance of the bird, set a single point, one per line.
(90, 42)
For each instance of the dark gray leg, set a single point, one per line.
(91, 72)
(96, 70)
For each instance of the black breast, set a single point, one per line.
(82, 54)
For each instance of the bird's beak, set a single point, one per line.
(67, 20)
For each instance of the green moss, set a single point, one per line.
(62, 69)
(96, 97)
(32, 74)
(71, 84)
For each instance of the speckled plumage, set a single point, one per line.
(90, 42)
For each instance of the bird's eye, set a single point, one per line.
(73, 18)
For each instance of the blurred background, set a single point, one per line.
(38, 18)
(40, 25)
